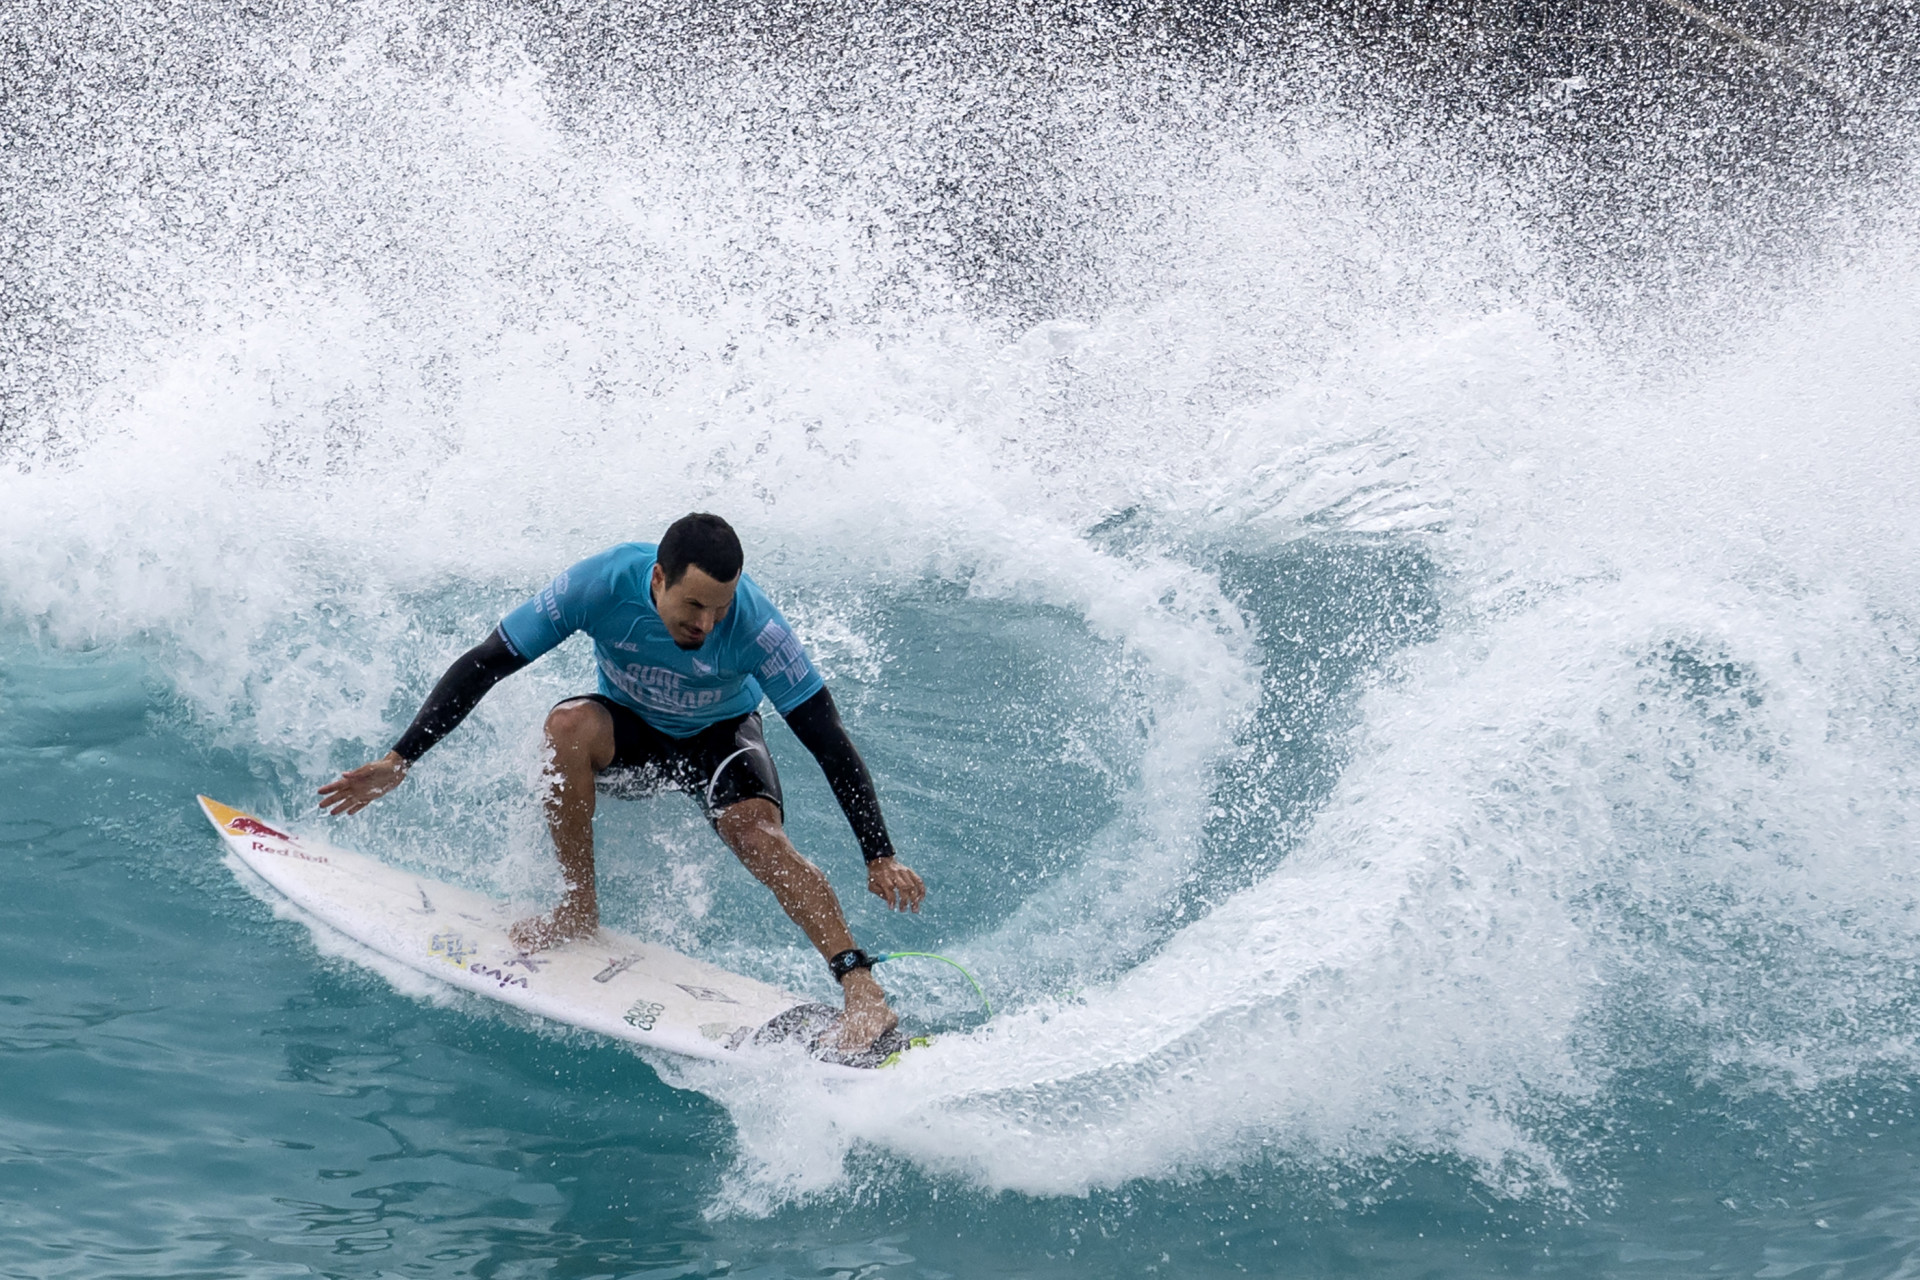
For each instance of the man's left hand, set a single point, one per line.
(894, 882)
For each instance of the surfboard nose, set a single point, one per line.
(220, 814)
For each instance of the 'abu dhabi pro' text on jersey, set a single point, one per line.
(678, 691)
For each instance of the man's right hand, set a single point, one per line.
(355, 789)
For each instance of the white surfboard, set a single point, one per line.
(610, 983)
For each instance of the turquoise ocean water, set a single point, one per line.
(1385, 616)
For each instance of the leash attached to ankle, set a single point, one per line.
(846, 962)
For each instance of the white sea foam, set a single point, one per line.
(1643, 798)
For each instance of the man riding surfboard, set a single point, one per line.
(687, 645)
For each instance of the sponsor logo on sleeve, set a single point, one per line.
(785, 659)
(549, 598)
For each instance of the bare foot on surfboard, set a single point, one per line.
(867, 1017)
(564, 923)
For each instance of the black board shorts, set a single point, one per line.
(719, 766)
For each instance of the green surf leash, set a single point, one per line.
(885, 956)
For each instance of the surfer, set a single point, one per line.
(687, 644)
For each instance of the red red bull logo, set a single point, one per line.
(242, 825)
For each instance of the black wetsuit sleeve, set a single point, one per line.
(816, 722)
(459, 691)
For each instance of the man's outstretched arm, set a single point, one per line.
(458, 692)
(816, 722)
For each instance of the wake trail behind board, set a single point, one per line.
(610, 983)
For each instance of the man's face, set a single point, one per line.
(693, 606)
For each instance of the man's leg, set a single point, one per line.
(753, 829)
(579, 744)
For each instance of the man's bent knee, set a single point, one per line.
(583, 726)
(752, 829)
(753, 820)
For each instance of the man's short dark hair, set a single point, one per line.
(704, 540)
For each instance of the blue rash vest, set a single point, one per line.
(751, 653)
